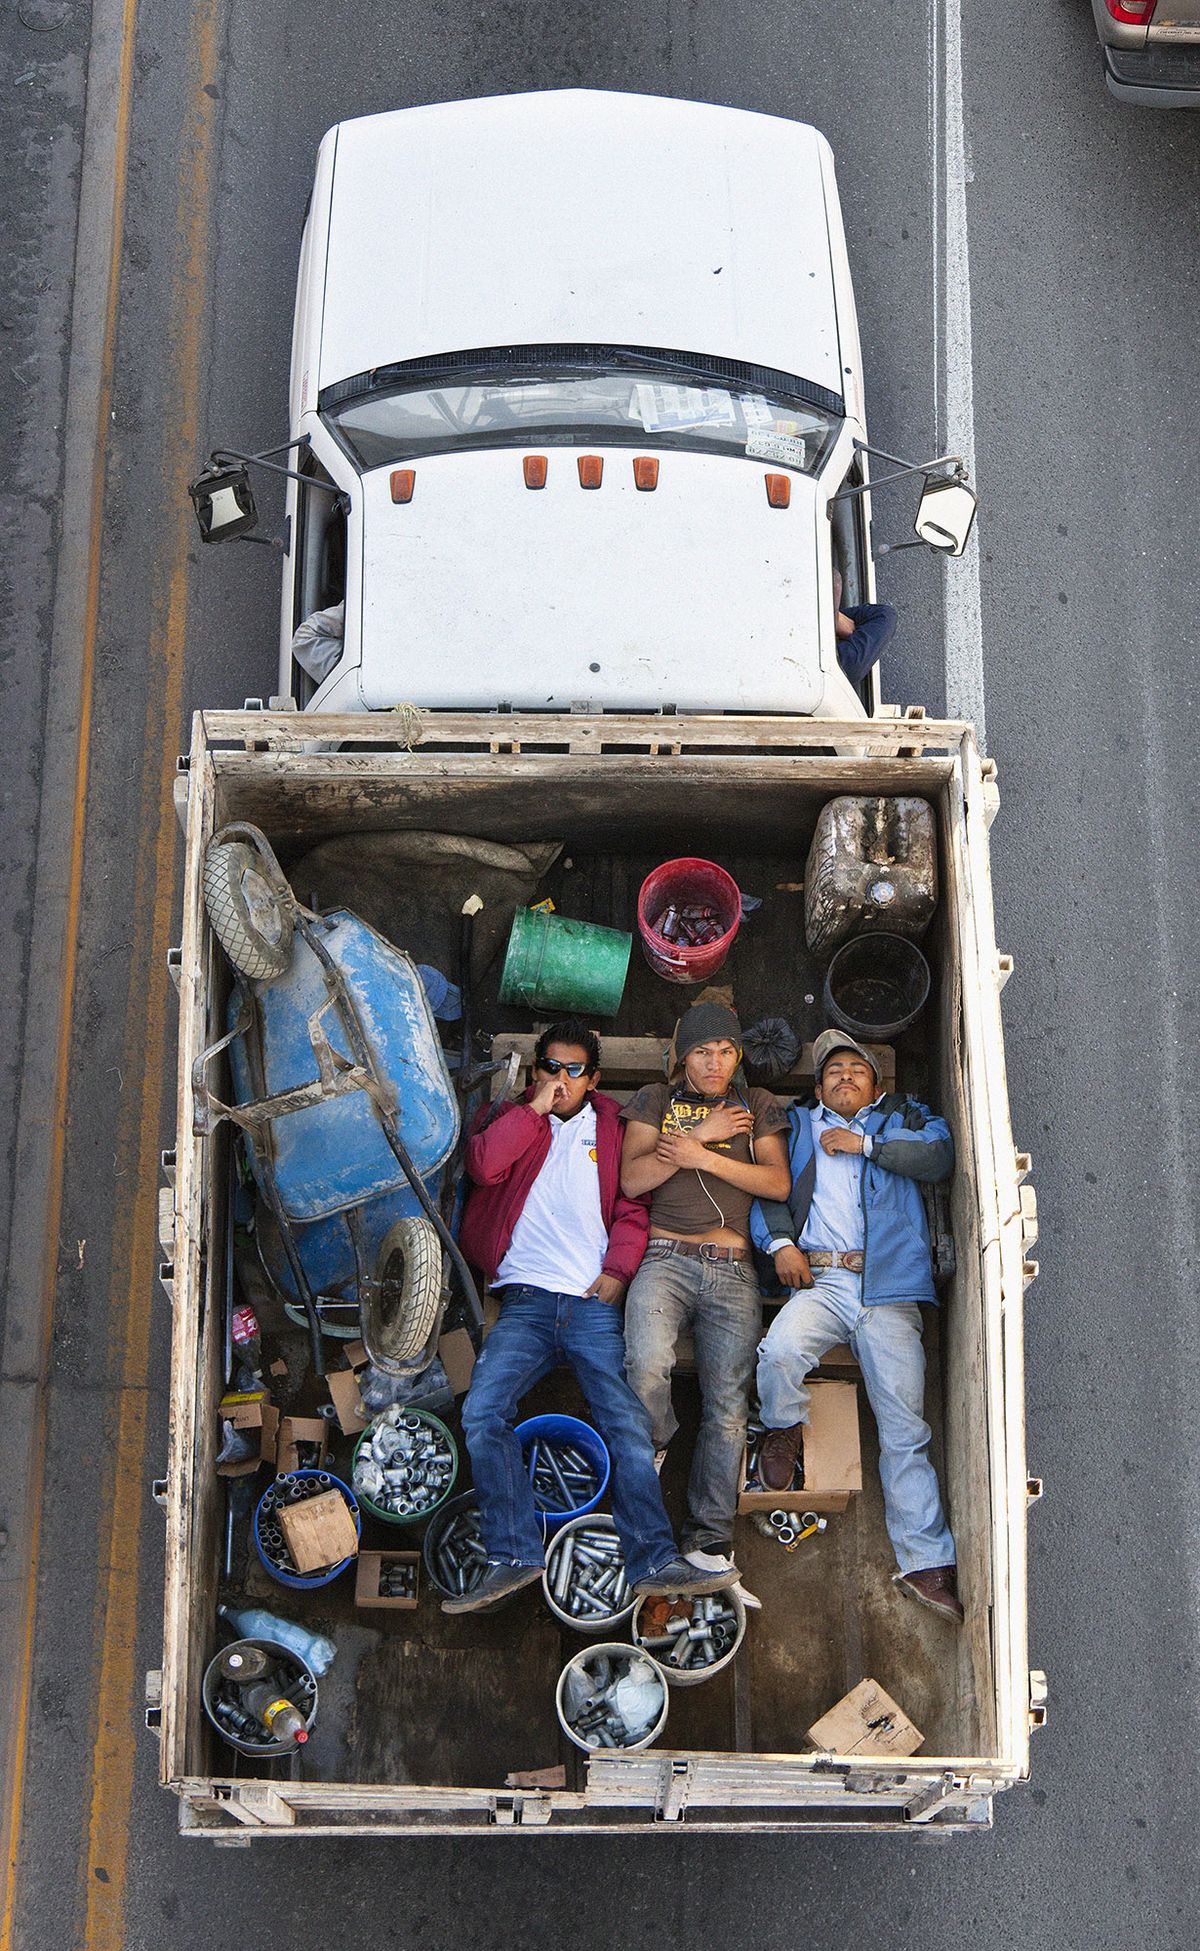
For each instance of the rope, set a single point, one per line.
(411, 728)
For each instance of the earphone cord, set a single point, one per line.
(700, 1175)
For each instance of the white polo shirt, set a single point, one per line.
(560, 1240)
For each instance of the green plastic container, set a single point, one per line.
(553, 963)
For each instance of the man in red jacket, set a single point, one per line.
(548, 1223)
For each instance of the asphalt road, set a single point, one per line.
(1080, 371)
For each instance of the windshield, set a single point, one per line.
(632, 404)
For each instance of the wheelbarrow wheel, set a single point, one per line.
(408, 1290)
(250, 911)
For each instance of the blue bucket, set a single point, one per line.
(579, 1436)
(306, 1582)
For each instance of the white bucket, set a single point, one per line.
(589, 1624)
(615, 1650)
(694, 1675)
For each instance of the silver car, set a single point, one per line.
(1151, 51)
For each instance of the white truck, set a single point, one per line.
(620, 671)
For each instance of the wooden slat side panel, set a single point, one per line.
(581, 731)
(187, 1500)
(968, 1464)
(1011, 1621)
(302, 796)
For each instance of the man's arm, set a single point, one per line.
(920, 1148)
(875, 626)
(770, 1178)
(770, 1221)
(641, 1171)
(492, 1151)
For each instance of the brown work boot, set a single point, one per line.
(937, 1589)
(777, 1457)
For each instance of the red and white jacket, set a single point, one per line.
(503, 1161)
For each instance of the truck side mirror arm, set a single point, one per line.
(224, 500)
(946, 513)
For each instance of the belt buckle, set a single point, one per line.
(710, 1250)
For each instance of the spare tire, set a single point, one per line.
(250, 909)
(407, 1294)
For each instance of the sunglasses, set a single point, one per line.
(552, 1066)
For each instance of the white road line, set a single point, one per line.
(962, 616)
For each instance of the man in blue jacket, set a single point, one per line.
(852, 1245)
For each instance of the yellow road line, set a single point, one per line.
(135, 1235)
(23, 1678)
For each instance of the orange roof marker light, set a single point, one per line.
(591, 470)
(404, 480)
(779, 490)
(534, 466)
(645, 473)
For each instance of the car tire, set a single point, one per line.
(249, 909)
(407, 1290)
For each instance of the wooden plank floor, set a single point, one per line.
(416, 1696)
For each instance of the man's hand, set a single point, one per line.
(727, 1121)
(549, 1096)
(676, 1150)
(606, 1288)
(791, 1264)
(838, 1140)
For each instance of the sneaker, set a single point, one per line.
(713, 1561)
(680, 1577)
(498, 1582)
(660, 1457)
(936, 1588)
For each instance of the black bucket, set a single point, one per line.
(876, 985)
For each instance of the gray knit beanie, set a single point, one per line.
(705, 1023)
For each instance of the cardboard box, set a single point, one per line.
(371, 1565)
(866, 1722)
(344, 1391)
(294, 1430)
(259, 1414)
(458, 1359)
(832, 1458)
(319, 1531)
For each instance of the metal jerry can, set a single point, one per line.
(872, 865)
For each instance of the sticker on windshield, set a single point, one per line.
(664, 408)
(788, 448)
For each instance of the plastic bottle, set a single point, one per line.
(280, 1717)
(243, 1663)
(255, 1623)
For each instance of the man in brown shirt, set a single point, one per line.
(704, 1150)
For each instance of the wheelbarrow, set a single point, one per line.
(340, 1087)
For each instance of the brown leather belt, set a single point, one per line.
(704, 1249)
(852, 1262)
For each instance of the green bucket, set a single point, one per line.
(553, 963)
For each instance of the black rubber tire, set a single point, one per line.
(408, 1290)
(250, 913)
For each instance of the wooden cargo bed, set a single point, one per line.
(424, 1717)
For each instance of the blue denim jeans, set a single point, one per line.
(537, 1332)
(719, 1301)
(886, 1341)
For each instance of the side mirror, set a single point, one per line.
(224, 502)
(946, 515)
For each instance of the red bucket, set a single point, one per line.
(682, 884)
